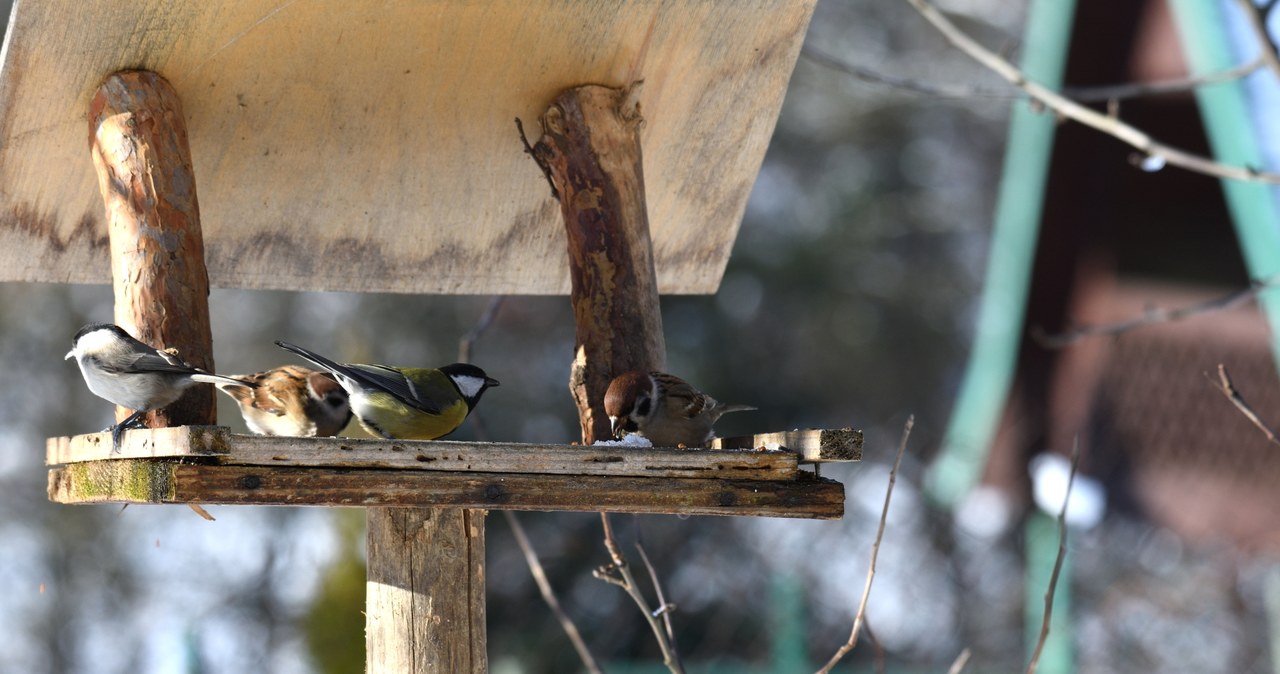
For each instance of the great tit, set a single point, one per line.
(122, 370)
(663, 408)
(290, 400)
(406, 403)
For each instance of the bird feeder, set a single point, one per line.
(371, 147)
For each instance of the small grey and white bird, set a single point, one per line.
(122, 370)
(663, 408)
(290, 400)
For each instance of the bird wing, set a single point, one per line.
(682, 397)
(156, 361)
(395, 382)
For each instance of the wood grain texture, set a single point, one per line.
(159, 481)
(217, 444)
(425, 603)
(325, 164)
(813, 445)
(590, 150)
(138, 143)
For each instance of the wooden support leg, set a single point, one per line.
(590, 149)
(138, 138)
(425, 610)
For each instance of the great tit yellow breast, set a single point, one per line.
(383, 415)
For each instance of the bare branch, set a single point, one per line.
(1096, 94)
(627, 582)
(665, 608)
(548, 595)
(1065, 107)
(1179, 85)
(1228, 389)
(1257, 19)
(467, 341)
(1151, 316)
(961, 661)
(860, 615)
(1057, 564)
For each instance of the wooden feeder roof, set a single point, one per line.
(371, 146)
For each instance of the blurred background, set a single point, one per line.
(850, 300)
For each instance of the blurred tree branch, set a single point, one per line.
(860, 616)
(1065, 107)
(1228, 389)
(1057, 564)
(1151, 316)
(619, 573)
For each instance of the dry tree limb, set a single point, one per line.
(1092, 94)
(1177, 85)
(665, 608)
(1151, 316)
(960, 662)
(860, 616)
(619, 573)
(1057, 564)
(1065, 107)
(1257, 19)
(549, 595)
(1228, 389)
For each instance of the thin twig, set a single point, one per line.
(1057, 564)
(860, 616)
(1090, 94)
(961, 661)
(1228, 389)
(1257, 19)
(1151, 316)
(625, 580)
(1084, 115)
(467, 341)
(548, 595)
(664, 607)
(529, 150)
(1177, 85)
(877, 649)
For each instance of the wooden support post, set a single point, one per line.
(138, 138)
(590, 150)
(425, 610)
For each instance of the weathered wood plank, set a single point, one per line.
(138, 142)
(157, 481)
(218, 444)
(425, 611)
(276, 94)
(812, 445)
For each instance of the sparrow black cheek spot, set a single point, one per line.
(643, 407)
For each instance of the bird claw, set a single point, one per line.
(117, 431)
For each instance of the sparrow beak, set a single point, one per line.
(616, 426)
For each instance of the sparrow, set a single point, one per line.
(406, 403)
(124, 371)
(663, 408)
(290, 400)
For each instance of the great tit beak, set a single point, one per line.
(490, 381)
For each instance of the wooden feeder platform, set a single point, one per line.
(211, 465)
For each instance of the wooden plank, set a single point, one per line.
(425, 608)
(812, 445)
(213, 443)
(158, 481)
(327, 165)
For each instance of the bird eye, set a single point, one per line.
(642, 408)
